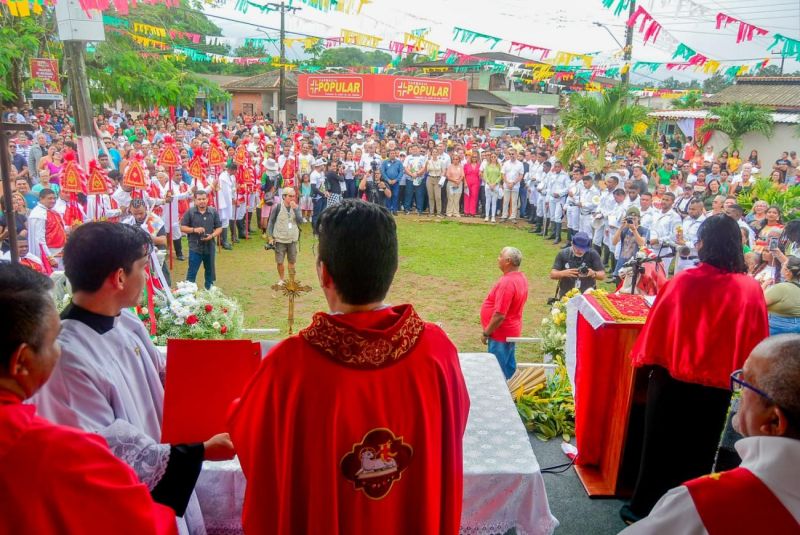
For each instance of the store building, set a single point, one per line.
(392, 99)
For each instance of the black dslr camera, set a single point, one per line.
(583, 270)
(269, 247)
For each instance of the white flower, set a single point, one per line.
(177, 321)
(554, 312)
(545, 321)
(216, 325)
(145, 311)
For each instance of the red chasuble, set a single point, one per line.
(703, 326)
(56, 479)
(54, 234)
(355, 426)
(738, 502)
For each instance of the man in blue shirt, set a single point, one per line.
(380, 129)
(392, 171)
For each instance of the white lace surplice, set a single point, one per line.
(112, 384)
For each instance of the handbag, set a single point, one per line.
(333, 200)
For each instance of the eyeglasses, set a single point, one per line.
(737, 384)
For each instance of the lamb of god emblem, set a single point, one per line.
(375, 463)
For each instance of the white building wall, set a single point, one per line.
(769, 150)
(462, 114)
(420, 113)
(319, 110)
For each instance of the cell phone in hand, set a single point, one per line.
(773, 244)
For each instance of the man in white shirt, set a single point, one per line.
(686, 236)
(370, 160)
(557, 195)
(542, 203)
(647, 211)
(760, 496)
(513, 171)
(588, 200)
(227, 185)
(662, 231)
(535, 175)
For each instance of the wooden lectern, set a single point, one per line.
(609, 393)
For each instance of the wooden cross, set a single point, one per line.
(7, 129)
(291, 289)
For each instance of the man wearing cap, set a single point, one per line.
(578, 266)
(284, 231)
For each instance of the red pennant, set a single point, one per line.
(97, 180)
(240, 156)
(216, 156)
(134, 174)
(71, 174)
(196, 168)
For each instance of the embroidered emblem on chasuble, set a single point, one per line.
(374, 464)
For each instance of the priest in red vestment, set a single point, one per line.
(355, 425)
(702, 327)
(55, 479)
(46, 233)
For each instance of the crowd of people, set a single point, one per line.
(225, 183)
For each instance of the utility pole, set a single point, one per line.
(628, 50)
(6, 131)
(75, 60)
(282, 87)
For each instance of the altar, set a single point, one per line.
(503, 484)
(609, 392)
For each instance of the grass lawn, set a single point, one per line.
(446, 269)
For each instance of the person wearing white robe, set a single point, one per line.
(768, 418)
(110, 378)
(227, 185)
(37, 231)
(172, 216)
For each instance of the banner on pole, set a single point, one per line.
(44, 75)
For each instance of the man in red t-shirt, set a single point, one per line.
(501, 312)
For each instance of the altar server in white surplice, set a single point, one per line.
(110, 379)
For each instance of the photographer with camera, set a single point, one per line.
(578, 266)
(284, 231)
(375, 189)
(632, 235)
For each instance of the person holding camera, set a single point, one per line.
(202, 225)
(284, 231)
(375, 189)
(578, 266)
(631, 235)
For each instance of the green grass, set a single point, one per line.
(447, 267)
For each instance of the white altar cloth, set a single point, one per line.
(503, 486)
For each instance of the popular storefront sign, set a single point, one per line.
(382, 88)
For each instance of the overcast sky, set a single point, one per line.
(563, 25)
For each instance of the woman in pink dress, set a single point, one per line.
(472, 173)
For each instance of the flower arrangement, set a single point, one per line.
(195, 314)
(553, 331)
(549, 411)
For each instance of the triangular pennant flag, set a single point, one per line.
(134, 175)
(196, 168)
(240, 156)
(216, 156)
(97, 180)
(169, 156)
(70, 174)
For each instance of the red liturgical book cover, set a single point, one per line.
(203, 378)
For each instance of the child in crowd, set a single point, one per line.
(306, 206)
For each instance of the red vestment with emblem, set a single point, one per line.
(54, 234)
(737, 501)
(355, 425)
(56, 479)
(703, 325)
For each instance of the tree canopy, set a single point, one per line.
(737, 119)
(593, 122)
(21, 38)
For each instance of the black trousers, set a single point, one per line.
(682, 428)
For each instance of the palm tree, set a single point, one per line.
(593, 123)
(690, 101)
(737, 119)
